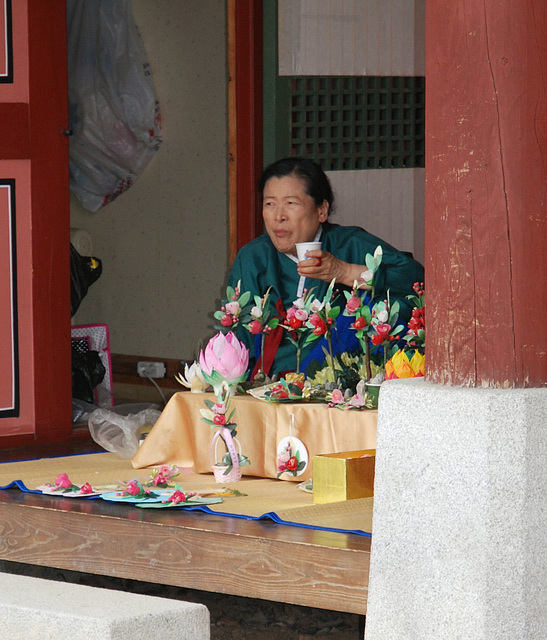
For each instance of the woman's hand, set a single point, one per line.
(322, 265)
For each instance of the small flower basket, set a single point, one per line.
(228, 468)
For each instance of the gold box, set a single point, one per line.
(343, 476)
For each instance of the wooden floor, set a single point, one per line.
(257, 559)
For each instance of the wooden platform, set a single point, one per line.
(258, 559)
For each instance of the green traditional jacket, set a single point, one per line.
(259, 266)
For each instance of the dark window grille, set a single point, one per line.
(358, 122)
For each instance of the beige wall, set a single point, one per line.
(164, 243)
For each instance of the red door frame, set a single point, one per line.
(245, 69)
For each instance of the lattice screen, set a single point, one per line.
(358, 122)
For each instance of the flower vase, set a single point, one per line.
(373, 393)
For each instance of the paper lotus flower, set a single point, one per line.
(193, 378)
(224, 358)
(399, 366)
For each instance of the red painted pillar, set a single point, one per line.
(486, 192)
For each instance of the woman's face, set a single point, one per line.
(290, 214)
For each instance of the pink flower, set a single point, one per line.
(226, 355)
(160, 478)
(63, 481)
(133, 488)
(357, 401)
(177, 496)
(232, 308)
(301, 314)
(86, 488)
(337, 397)
(383, 329)
(353, 304)
(219, 408)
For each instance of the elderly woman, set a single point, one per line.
(296, 201)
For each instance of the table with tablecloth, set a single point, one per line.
(180, 436)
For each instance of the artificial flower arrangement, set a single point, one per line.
(262, 323)
(288, 461)
(219, 415)
(234, 309)
(224, 364)
(377, 329)
(409, 361)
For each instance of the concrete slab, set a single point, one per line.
(459, 543)
(37, 609)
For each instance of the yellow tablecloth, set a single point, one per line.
(180, 437)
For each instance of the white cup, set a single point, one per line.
(303, 247)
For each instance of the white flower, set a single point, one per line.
(383, 316)
(256, 312)
(193, 378)
(299, 303)
(316, 305)
(367, 276)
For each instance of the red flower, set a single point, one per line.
(360, 323)
(255, 327)
(376, 339)
(294, 323)
(292, 463)
(219, 419)
(226, 321)
(318, 324)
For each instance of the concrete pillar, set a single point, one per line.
(459, 542)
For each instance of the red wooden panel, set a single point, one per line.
(42, 224)
(9, 382)
(485, 192)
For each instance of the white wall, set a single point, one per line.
(363, 37)
(164, 243)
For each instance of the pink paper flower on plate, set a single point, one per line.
(63, 481)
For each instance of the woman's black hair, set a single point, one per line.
(315, 179)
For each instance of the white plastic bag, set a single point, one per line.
(117, 429)
(113, 110)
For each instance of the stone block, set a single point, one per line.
(37, 609)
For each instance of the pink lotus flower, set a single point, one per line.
(226, 356)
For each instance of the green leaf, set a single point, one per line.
(244, 298)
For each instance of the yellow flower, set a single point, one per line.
(399, 366)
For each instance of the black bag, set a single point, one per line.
(84, 271)
(87, 372)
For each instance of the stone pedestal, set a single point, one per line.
(459, 545)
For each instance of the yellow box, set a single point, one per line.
(343, 476)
